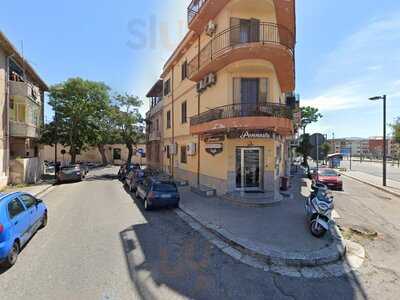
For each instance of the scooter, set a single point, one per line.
(319, 207)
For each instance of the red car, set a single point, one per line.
(330, 178)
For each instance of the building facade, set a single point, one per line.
(154, 127)
(22, 114)
(228, 100)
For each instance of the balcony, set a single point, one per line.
(22, 89)
(268, 41)
(271, 116)
(23, 130)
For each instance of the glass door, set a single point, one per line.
(249, 165)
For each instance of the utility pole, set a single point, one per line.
(384, 141)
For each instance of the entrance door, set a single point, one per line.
(249, 166)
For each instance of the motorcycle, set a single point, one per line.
(319, 207)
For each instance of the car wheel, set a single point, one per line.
(137, 196)
(44, 221)
(12, 256)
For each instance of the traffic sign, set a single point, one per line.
(317, 139)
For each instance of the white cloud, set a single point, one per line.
(363, 65)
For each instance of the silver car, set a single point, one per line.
(70, 173)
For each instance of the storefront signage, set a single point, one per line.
(248, 135)
(214, 149)
(214, 139)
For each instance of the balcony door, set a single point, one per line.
(250, 92)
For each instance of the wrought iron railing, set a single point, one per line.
(243, 110)
(194, 8)
(236, 36)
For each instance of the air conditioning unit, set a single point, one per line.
(191, 149)
(211, 79)
(211, 28)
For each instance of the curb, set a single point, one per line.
(355, 256)
(274, 202)
(372, 185)
(46, 189)
(331, 254)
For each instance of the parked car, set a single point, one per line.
(134, 178)
(158, 192)
(70, 173)
(21, 215)
(125, 169)
(330, 178)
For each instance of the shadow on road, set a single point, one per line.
(166, 255)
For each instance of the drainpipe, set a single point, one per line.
(173, 124)
(7, 137)
(198, 113)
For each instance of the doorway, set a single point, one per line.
(249, 169)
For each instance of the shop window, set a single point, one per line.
(183, 155)
(117, 154)
(184, 112)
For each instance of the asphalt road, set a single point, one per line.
(101, 244)
(374, 168)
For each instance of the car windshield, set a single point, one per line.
(165, 187)
(327, 172)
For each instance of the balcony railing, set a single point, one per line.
(243, 110)
(194, 8)
(236, 36)
(18, 129)
(24, 89)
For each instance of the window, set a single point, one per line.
(15, 208)
(29, 201)
(244, 31)
(247, 90)
(157, 125)
(116, 154)
(168, 119)
(184, 70)
(183, 155)
(167, 87)
(184, 112)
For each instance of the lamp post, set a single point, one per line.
(384, 134)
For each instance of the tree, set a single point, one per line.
(78, 105)
(309, 115)
(305, 148)
(325, 149)
(396, 130)
(128, 121)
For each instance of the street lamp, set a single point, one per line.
(377, 98)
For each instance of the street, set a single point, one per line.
(101, 244)
(373, 168)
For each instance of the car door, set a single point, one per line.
(34, 211)
(20, 220)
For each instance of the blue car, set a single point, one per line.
(21, 215)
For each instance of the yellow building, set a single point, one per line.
(228, 99)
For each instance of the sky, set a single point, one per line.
(346, 52)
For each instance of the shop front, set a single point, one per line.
(242, 161)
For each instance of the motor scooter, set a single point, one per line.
(319, 206)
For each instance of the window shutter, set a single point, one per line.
(235, 31)
(263, 91)
(254, 30)
(237, 94)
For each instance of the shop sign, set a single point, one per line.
(214, 139)
(214, 149)
(248, 135)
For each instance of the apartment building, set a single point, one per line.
(21, 113)
(154, 126)
(228, 101)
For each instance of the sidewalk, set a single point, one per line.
(278, 234)
(34, 190)
(393, 187)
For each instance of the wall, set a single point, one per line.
(3, 118)
(25, 170)
(92, 154)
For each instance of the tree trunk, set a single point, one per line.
(102, 151)
(130, 153)
(73, 156)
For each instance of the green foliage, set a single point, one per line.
(309, 115)
(396, 130)
(129, 124)
(78, 105)
(305, 148)
(325, 149)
